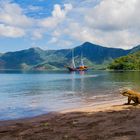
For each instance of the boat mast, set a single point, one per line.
(82, 63)
(73, 61)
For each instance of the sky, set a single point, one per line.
(60, 24)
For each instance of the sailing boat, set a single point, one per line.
(73, 67)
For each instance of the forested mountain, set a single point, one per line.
(36, 58)
(129, 62)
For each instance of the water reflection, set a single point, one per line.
(73, 78)
(27, 94)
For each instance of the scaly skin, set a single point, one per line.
(132, 96)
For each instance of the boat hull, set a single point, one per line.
(77, 69)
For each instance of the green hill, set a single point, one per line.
(16, 60)
(129, 62)
(95, 56)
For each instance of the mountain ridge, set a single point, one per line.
(37, 58)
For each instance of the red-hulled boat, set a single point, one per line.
(73, 67)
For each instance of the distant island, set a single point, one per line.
(95, 56)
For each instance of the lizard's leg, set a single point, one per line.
(136, 101)
(129, 100)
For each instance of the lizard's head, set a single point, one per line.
(126, 92)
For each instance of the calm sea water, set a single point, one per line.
(34, 93)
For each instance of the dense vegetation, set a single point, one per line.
(129, 62)
(95, 56)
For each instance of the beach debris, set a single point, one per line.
(74, 123)
(46, 124)
(65, 136)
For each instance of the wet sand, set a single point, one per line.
(105, 122)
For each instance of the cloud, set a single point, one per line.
(112, 23)
(9, 31)
(53, 40)
(12, 14)
(60, 43)
(58, 15)
(117, 22)
(114, 15)
(37, 34)
(49, 24)
(34, 8)
(13, 22)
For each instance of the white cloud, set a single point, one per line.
(60, 43)
(12, 14)
(113, 23)
(37, 34)
(53, 40)
(13, 22)
(58, 15)
(9, 31)
(114, 15)
(117, 22)
(34, 8)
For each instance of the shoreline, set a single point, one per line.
(85, 108)
(101, 106)
(113, 121)
(104, 105)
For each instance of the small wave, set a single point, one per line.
(89, 76)
(112, 101)
(101, 96)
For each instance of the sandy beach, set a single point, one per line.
(105, 122)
